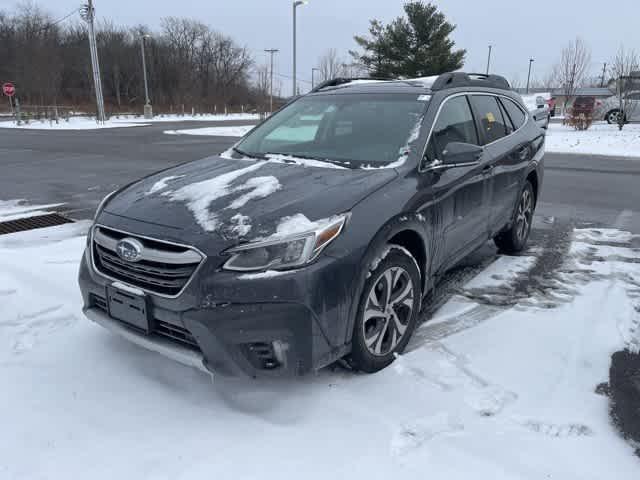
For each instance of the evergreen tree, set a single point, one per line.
(413, 46)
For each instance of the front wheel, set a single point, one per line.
(613, 117)
(388, 311)
(515, 238)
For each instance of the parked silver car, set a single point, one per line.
(609, 110)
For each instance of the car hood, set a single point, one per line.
(243, 199)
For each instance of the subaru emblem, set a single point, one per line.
(129, 249)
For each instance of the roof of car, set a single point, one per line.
(412, 85)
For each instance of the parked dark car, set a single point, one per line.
(320, 233)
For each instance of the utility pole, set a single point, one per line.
(148, 111)
(88, 14)
(271, 51)
(313, 71)
(531, 60)
(604, 71)
(489, 59)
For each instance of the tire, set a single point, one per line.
(624, 390)
(515, 238)
(385, 323)
(612, 116)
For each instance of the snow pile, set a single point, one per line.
(600, 139)
(214, 117)
(16, 209)
(488, 392)
(199, 196)
(74, 123)
(236, 131)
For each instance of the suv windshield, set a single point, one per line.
(354, 128)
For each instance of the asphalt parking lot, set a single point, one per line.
(79, 167)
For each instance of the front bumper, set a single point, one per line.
(283, 326)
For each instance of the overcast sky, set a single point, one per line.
(517, 31)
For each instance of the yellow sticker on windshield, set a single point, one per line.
(490, 117)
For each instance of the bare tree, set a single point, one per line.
(573, 67)
(188, 63)
(625, 64)
(515, 82)
(331, 65)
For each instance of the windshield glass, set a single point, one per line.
(354, 128)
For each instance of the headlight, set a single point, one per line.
(102, 203)
(289, 252)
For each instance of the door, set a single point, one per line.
(634, 106)
(460, 193)
(504, 156)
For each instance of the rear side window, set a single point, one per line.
(515, 112)
(489, 116)
(507, 121)
(454, 124)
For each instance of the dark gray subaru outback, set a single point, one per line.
(320, 233)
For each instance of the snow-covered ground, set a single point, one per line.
(600, 139)
(238, 131)
(74, 123)
(218, 117)
(487, 389)
(121, 121)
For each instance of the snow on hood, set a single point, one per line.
(199, 196)
(162, 184)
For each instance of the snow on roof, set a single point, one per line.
(426, 82)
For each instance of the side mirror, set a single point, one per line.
(459, 153)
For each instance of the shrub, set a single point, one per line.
(580, 121)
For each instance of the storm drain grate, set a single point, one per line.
(31, 223)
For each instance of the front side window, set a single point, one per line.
(352, 129)
(492, 125)
(454, 124)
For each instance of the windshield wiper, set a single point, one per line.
(304, 157)
(245, 154)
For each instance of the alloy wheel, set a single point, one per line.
(614, 117)
(388, 311)
(524, 215)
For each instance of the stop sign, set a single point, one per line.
(9, 89)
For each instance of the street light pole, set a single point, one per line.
(296, 4)
(313, 71)
(148, 111)
(531, 60)
(489, 59)
(271, 51)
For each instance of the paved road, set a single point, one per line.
(80, 167)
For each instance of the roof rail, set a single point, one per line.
(334, 82)
(463, 79)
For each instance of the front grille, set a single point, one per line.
(159, 328)
(164, 268)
